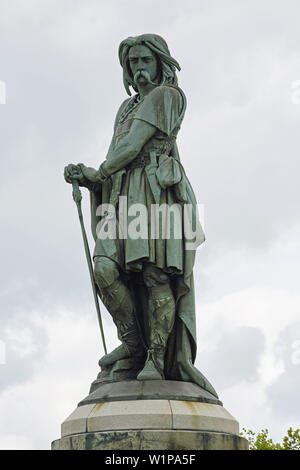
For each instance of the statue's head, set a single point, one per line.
(150, 52)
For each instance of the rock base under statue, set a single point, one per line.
(151, 415)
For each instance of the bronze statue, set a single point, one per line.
(146, 283)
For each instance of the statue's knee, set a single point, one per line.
(106, 271)
(154, 276)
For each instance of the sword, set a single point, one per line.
(77, 196)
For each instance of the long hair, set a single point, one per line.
(159, 47)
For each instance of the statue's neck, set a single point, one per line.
(144, 90)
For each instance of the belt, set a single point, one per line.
(139, 162)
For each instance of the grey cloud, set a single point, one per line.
(247, 187)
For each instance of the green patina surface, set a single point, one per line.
(146, 284)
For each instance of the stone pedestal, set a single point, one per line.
(152, 415)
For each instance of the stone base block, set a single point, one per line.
(158, 439)
(152, 415)
(149, 414)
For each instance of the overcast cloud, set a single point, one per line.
(239, 143)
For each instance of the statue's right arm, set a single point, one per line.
(129, 147)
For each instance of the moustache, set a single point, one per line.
(143, 74)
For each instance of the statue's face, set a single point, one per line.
(141, 58)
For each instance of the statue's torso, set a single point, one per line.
(160, 142)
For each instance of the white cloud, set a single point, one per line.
(59, 382)
(239, 144)
(15, 442)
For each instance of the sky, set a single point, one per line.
(61, 86)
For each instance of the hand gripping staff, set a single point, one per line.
(77, 196)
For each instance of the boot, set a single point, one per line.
(117, 299)
(154, 365)
(162, 317)
(125, 350)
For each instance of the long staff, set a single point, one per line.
(77, 196)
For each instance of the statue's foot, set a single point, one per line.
(150, 372)
(121, 352)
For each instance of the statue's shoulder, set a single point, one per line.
(168, 94)
(167, 90)
(124, 104)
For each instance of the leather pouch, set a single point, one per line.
(168, 172)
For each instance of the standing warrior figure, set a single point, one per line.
(146, 283)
